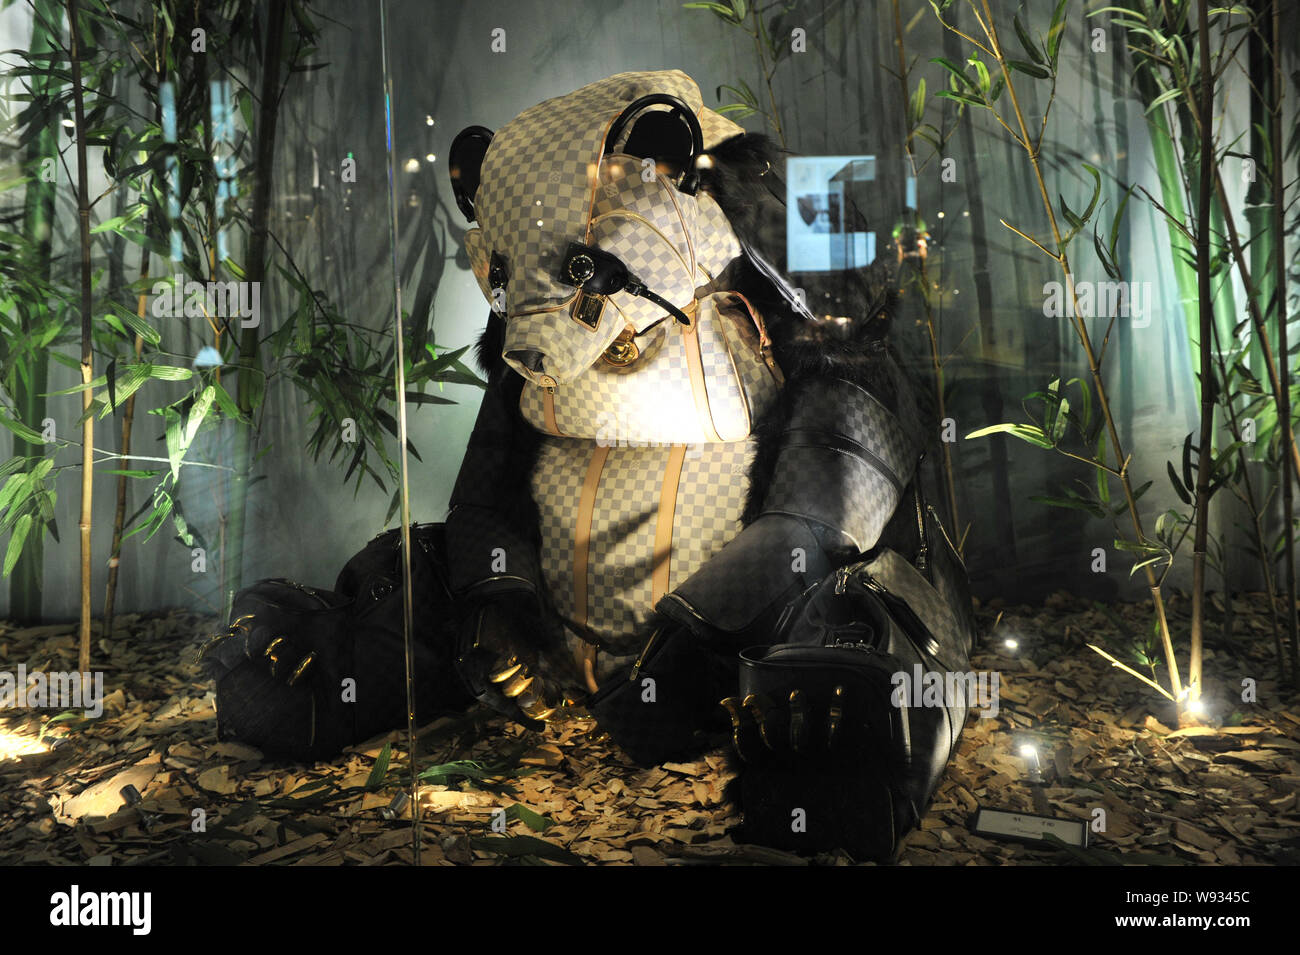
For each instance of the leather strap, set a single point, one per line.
(699, 390)
(664, 524)
(764, 341)
(582, 534)
(548, 409)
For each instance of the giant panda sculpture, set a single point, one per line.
(678, 463)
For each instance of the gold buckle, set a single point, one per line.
(623, 351)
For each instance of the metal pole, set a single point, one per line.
(405, 495)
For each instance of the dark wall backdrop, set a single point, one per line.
(835, 98)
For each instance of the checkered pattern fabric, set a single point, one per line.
(556, 481)
(834, 489)
(543, 185)
(844, 463)
(620, 558)
(710, 497)
(651, 401)
(715, 244)
(621, 553)
(649, 226)
(854, 413)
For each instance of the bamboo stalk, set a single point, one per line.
(767, 76)
(1243, 269)
(1031, 147)
(1260, 75)
(87, 353)
(27, 581)
(1279, 304)
(991, 400)
(1205, 457)
(399, 391)
(950, 484)
(1257, 517)
(119, 514)
(1128, 669)
(255, 271)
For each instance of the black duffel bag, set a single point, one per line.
(302, 673)
(835, 753)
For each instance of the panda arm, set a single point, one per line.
(492, 537)
(843, 459)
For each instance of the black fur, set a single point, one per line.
(490, 345)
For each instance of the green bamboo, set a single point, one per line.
(250, 371)
(1169, 173)
(1205, 307)
(87, 343)
(1278, 304)
(1258, 217)
(29, 384)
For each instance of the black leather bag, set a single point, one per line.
(303, 673)
(268, 703)
(850, 762)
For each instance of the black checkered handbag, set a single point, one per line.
(835, 752)
(303, 672)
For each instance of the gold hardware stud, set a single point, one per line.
(836, 714)
(798, 712)
(511, 667)
(517, 685)
(302, 667)
(754, 703)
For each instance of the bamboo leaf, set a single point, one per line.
(956, 72)
(380, 768)
(722, 11)
(1074, 503)
(1025, 432)
(1163, 98)
(1030, 69)
(516, 846)
(1026, 41)
(1096, 192)
(110, 374)
(172, 433)
(917, 106)
(20, 429)
(16, 540)
(961, 98)
(1056, 31)
(1177, 484)
(534, 821)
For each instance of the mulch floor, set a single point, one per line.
(1224, 792)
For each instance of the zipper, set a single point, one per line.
(855, 645)
(923, 554)
(645, 651)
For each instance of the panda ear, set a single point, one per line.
(465, 166)
(673, 136)
(660, 135)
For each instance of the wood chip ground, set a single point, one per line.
(1220, 793)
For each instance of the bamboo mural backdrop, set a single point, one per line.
(1119, 85)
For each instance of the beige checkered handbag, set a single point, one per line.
(623, 526)
(706, 382)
